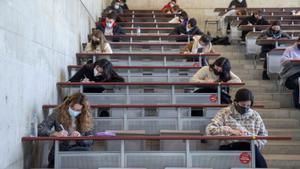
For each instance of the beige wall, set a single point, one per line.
(202, 9)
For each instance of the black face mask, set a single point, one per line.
(240, 109)
(95, 43)
(216, 72)
(298, 46)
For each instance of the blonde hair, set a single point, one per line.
(84, 121)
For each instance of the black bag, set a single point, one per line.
(220, 40)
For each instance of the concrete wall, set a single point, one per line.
(38, 39)
(202, 9)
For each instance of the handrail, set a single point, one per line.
(155, 137)
(147, 83)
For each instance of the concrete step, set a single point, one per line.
(282, 147)
(279, 113)
(283, 162)
(294, 133)
(281, 123)
(268, 104)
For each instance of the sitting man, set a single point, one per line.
(110, 27)
(290, 74)
(190, 29)
(273, 32)
(255, 19)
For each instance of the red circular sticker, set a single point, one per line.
(213, 98)
(245, 158)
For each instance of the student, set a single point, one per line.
(239, 119)
(71, 118)
(289, 74)
(174, 10)
(219, 71)
(114, 6)
(181, 18)
(109, 26)
(190, 29)
(100, 71)
(200, 44)
(123, 5)
(168, 6)
(238, 4)
(273, 32)
(255, 19)
(225, 22)
(98, 43)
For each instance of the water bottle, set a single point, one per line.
(33, 125)
(138, 31)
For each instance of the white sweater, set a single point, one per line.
(205, 74)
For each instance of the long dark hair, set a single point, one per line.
(226, 67)
(108, 73)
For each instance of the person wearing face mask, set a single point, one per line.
(219, 71)
(190, 29)
(238, 4)
(239, 119)
(168, 6)
(255, 19)
(100, 71)
(109, 26)
(200, 44)
(98, 43)
(273, 32)
(181, 18)
(123, 5)
(289, 75)
(71, 118)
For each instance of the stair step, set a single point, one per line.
(282, 147)
(281, 123)
(268, 104)
(279, 113)
(294, 133)
(283, 162)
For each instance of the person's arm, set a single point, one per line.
(234, 78)
(120, 30)
(187, 48)
(201, 76)
(244, 21)
(79, 75)
(45, 127)
(285, 35)
(175, 31)
(262, 131)
(285, 56)
(86, 143)
(217, 125)
(107, 48)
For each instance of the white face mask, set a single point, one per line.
(96, 73)
(117, 6)
(187, 29)
(73, 113)
(109, 24)
(240, 1)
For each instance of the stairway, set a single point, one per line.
(278, 113)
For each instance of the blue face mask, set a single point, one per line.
(73, 113)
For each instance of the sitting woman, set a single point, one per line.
(98, 43)
(239, 119)
(71, 118)
(201, 44)
(168, 6)
(219, 71)
(100, 71)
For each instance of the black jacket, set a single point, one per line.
(87, 72)
(238, 4)
(181, 29)
(254, 21)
